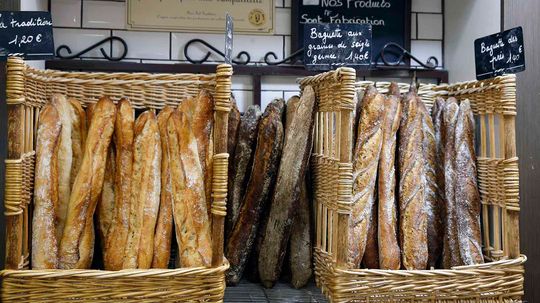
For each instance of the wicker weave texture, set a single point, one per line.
(30, 89)
(498, 281)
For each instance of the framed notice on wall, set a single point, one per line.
(250, 16)
(390, 19)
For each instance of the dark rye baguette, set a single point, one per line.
(291, 174)
(232, 138)
(243, 155)
(262, 176)
(77, 245)
(466, 190)
(365, 162)
(389, 251)
(413, 217)
(432, 192)
(44, 237)
(451, 244)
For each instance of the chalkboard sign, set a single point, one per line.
(390, 19)
(327, 46)
(26, 34)
(498, 54)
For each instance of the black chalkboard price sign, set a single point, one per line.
(498, 54)
(26, 34)
(327, 46)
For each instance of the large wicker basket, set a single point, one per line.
(28, 90)
(499, 280)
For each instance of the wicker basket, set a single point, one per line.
(499, 280)
(28, 90)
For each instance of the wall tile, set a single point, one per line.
(268, 96)
(279, 83)
(66, 13)
(244, 98)
(413, 26)
(242, 82)
(429, 6)
(279, 3)
(430, 26)
(196, 51)
(283, 21)
(258, 46)
(287, 3)
(143, 45)
(79, 39)
(287, 95)
(424, 49)
(104, 14)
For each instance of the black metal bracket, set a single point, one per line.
(241, 55)
(401, 53)
(103, 52)
(293, 58)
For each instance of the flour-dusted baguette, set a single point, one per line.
(163, 234)
(432, 192)
(76, 247)
(365, 162)
(466, 190)
(412, 209)
(106, 201)
(389, 251)
(243, 155)
(192, 225)
(44, 237)
(200, 111)
(291, 175)
(437, 118)
(261, 178)
(451, 244)
(371, 253)
(78, 136)
(115, 243)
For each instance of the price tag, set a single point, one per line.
(498, 54)
(327, 46)
(26, 34)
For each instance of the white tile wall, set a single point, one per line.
(427, 6)
(244, 98)
(104, 14)
(268, 96)
(66, 13)
(79, 39)
(424, 49)
(430, 26)
(143, 45)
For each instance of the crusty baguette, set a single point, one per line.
(44, 237)
(232, 131)
(261, 178)
(106, 201)
(365, 161)
(389, 251)
(76, 247)
(115, 244)
(466, 191)
(432, 191)
(451, 244)
(78, 136)
(413, 219)
(292, 172)
(192, 225)
(163, 234)
(200, 111)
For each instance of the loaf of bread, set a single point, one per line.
(243, 156)
(200, 111)
(451, 244)
(192, 225)
(261, 178)
(432, 191)
(365, 162)
(412, 206)
(163, 234)
(44, 237)
(106, 201)
(115, 244)
(232, 138)
(77, 244)
(389, 251)
(466, 191)
(291, 174)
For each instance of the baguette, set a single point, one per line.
(389, 251)
(106, 201)
(450, 246)
(466, 190)
(46, 196)
(192, 225)
(365, 161)
(115, 244)
(413, 217)
(292, 172)
(76, 246)
(163, 235)
(261, 178)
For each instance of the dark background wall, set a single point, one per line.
(525, 13)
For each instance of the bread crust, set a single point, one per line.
(46, 196)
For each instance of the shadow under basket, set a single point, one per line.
(28, 90)
(498, 280)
